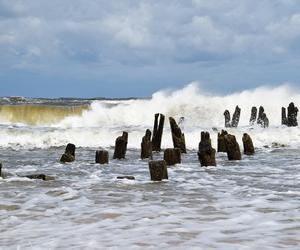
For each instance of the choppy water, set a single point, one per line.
(248, 204)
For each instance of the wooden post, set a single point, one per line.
(253, 116)
(121, 146)
(69, 155)
(177, 136)
(236, 117)
(146, 146)
(206, 153)
(158, 132)
(101, 156)
(172, 156)
(227, 119)
(233, 148)
(158, 170)
(221, 141)
(248, 144)
(292, 115)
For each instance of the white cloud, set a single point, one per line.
(147, 32)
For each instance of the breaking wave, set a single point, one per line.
(100, 122)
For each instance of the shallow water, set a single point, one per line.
(249, 204)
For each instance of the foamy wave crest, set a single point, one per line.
(198, 107)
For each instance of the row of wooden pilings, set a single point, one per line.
(288, 117)
(152, 143)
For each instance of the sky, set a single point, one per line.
(131, 48)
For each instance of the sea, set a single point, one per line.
(253, 203)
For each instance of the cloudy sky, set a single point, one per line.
(122, 48)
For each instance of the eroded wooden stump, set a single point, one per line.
(227, 119)
(236, 117)
(146, 146)
(253, 116)
(248, 145)
(284, 120)
(292, 115)
(157, 132)
(69, 155)
(232, 148)
(206, 153)
(101, 157)
(262, 119)
(177, 136)
(172, 156)
(158, 170)
(221, 141)
(121, 146)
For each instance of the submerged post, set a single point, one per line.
(121, 146)
(177, 136)
(146, 146)
(158, 170)
(69, 155)
(158, 132)
(101, 157)
(206, 153)
(172, 156)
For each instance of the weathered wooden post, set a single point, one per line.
(248, 145)
(146, 146)
(221, 141)
(236, 117)
(158, 170)
(177, 136)
(206, 153)
(292, 115)
(253, 115)
(227, 119)
(121, 146)
(262, 119)
(0, 169)
(101, 157)
(157, 132)
(69, 155)
(233, 148)
(172, 156)
(284, 120)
